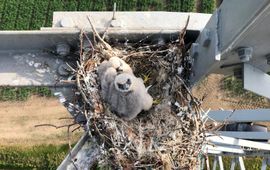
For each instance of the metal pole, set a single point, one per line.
(264, 165)
(241, 163)
(233, 163)
(207, 163)
(215, 163)
(220, 162)
(114, 11)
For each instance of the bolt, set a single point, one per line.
(62, 49)
(66, 22)
(116, 23)
(245, 53)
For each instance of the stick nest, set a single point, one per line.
(171, 134)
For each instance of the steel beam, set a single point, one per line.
(236, 24)
(256, 81)
(224, 148)
(27, 57)
(257, 115)
(246, 135)
(224, 140)
(127, 22)
(84, 154)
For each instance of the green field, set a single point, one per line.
(33, 14)
(38, 157)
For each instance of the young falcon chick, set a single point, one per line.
(128, 96)
(120, 65)
(102, 68)
(106, 73)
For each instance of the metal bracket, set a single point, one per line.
(256, 81)
(245, 53)
(224, 44)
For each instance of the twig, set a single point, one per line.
(181, 37)
(65, 118)
(88, 39)
(81, 46)
(57, 127)
(107, 46)
(76, 128)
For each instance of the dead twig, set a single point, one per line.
(57, 127)
(107, 46)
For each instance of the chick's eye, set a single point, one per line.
(120, 86)
(128, 81)
(119, 69)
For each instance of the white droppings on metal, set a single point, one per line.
(41, 70)
(36, 65)
(31, 63)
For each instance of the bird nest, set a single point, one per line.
(170, 135)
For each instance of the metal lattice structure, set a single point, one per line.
(38, 58)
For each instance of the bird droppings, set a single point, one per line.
(41, 71)
(177, 104)
(30, 63)
(36, 65)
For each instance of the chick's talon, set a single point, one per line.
(146, 78)
(156, 101)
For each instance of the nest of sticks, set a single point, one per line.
(171, 134)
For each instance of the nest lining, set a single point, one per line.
(169, 135)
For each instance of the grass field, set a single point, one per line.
(38, 157)
(33, 14)
(24, 146)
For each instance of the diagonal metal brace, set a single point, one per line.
(83, 156)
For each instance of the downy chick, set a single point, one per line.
(120, 65)
(102, 68)
(106, 73)
(129, 96)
